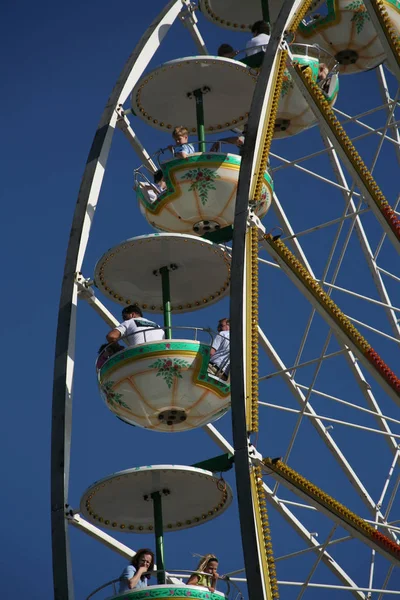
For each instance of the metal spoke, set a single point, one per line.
(315, 565)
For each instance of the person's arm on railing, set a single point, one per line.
(113, 336)
(237, 140)
(121, 330)
(193, 579)
(133, 581)
(213, 583)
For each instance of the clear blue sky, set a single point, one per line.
(60, 64)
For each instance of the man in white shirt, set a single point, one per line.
(261, 33)
(219, 364)
(134, 329)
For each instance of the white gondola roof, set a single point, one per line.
(122, 501)
(164, 98)
(199, 272)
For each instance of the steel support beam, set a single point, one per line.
(319, 506)
(349, 356)
(85, 292)
(329, 130)
(392, 56)
(124, 125)
(100, 536)
(377, 278)
(384, 88)
(290, 518)
(323, 431)
(189, 20)
(259, 109)
(342, 335)
(369, 257)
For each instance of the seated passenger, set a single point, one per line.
(226, 51)
(209, 565)
(135, 329)
(261, 31)
(237, 140)
(159, 181)
(133, 576)
(219, 364)
(182, 149)
(323, 80)
(159, 186)
(105, 351)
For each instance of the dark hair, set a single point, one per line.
(132, 308)
(225, 49)
(113, 348)
(261, 27)
(135, 561)
(222, 320)
(158, 175)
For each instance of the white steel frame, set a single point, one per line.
(82, 289)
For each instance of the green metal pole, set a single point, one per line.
(265, 10)
(159, 533)
(166, 295)
(198, 94)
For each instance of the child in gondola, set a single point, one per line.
(206, 575)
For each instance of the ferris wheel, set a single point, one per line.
(301, 230)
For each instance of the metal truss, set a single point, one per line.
(76, 286)
(353, 212)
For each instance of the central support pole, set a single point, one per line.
(198, 94)
(159, 535)
(166, 296)
(265, 10)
